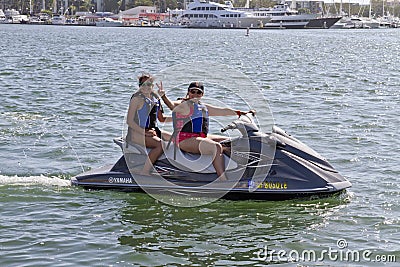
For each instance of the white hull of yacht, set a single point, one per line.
(228, 23)
(109, 23)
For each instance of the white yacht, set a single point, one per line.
(2, 16)
(173, 25)
(108, 22)
(13, 16)
(207, 14)
(388, 21)
(355, 22)
(284, 17)
(58, 20)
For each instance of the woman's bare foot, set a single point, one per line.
(222, 178)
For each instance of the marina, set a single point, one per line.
(208, 14)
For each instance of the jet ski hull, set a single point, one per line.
(270, 189)
(102, 183)
(274, 166)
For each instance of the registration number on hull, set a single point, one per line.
(273, 185)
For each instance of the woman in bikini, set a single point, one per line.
(144, 110)
(191, 125)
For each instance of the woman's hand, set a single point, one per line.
(240, 113)
(150, 133)
(161, 91)
(252, 111)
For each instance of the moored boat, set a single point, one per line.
(207, 14)
(108, 22)
(173, 25)
(13, 16)
(322, 23)
(284, 17)
(2, 16)
(58, 20)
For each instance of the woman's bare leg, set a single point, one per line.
(217, 138)
(166, 136)
(156, 151)
(152, 142)
(206, 146)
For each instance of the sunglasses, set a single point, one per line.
(195, 91)
(147, 84)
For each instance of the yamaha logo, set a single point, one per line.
(120, 180)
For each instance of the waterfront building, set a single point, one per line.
(142, 16)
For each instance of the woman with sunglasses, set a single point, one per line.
(190, 117)
(144, 110)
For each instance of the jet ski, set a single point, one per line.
(259, 166)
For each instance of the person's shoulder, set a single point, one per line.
(137, 97)
(184, 103)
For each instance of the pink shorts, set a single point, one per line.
(183, 136)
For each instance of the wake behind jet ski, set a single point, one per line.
(260, 166)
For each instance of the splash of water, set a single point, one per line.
(29, 180)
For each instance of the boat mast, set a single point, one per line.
(65, 6)
(55, 6)
(349, 10)
(370, 9)
(293, 5)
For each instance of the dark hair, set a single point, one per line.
(196, 85)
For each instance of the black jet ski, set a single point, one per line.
(260, 166)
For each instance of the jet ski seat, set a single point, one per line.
(185, 161)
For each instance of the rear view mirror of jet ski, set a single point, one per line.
(259, 165)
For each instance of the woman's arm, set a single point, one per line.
(161, 93)
(217, 111)
(161, 116)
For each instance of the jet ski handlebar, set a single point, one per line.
(243, 124)
(230, 126)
